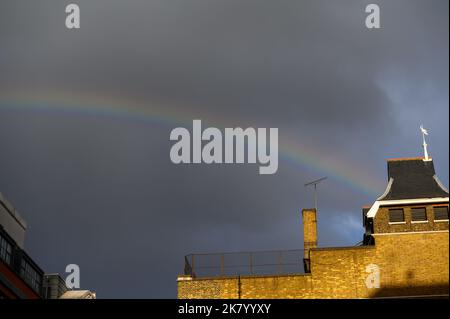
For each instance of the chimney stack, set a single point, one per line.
(309, 234)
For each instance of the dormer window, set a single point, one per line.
(396, 215)
(440, 213)
(418, 214)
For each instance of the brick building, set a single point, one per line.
(20, 275)
(404, 253)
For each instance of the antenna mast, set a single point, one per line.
(315, 182)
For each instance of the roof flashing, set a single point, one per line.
(387, 190)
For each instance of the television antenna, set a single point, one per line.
(314, 183)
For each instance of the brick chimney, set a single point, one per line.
(309, 234)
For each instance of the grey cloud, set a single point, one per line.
(101, 191)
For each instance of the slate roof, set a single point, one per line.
(410, 178)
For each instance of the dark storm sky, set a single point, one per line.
(100, 191)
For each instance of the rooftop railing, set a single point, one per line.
(270, 262)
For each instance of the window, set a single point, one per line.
(396, 215)
(418, 214)
(440, 212)
(5, 250)
(31, 276)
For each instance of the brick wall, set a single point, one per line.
(409, 263)
(382, 225)
(209, 288)
(309, 217)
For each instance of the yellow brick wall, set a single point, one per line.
(413, 263)
(381, 221)
(209, 288)
(340, 272)
(309, 218)
(294, 286)
(410, 264)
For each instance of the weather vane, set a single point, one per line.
(425, 150)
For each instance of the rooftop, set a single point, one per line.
(412, 178)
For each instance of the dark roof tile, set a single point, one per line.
(413, 178)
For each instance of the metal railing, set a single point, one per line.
(270, 262)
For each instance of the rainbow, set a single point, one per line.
(298, 154)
